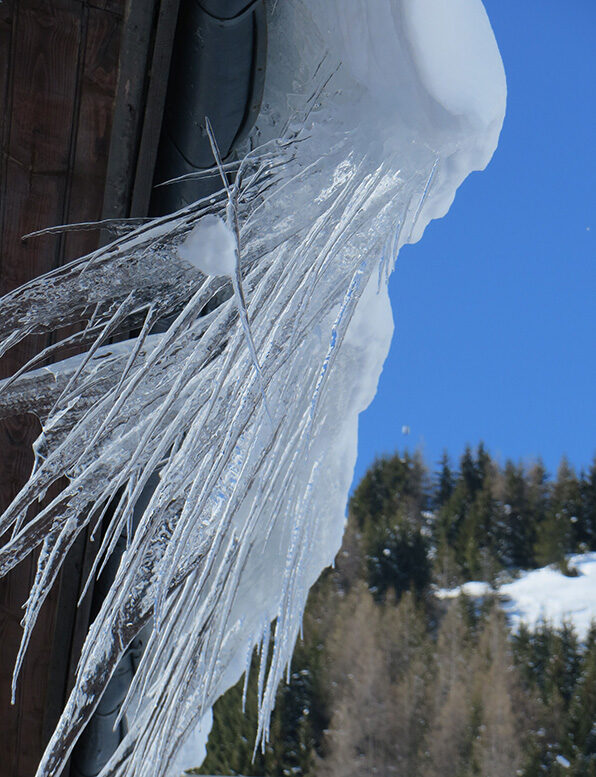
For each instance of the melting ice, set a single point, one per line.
(373, 114)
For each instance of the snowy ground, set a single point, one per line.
(545, 594)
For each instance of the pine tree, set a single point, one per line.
(520, 531)
(455, 535)
(582, 715)
(398, 560)
(548, 663)
(392, 484)
(387, 512)
(446, 569)
(565, 666)
(557, 534)
(486, 517)
(484, 464)
(445, 483)
(468, 472)
(538, 490)
(588, 497)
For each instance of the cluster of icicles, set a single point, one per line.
(239, 406)
(232, 440)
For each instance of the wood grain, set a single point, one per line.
(44, 43)
(58, 73)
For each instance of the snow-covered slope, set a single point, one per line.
(545, 594)
(548, 594)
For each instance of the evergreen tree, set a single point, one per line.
(443, 529)
(484, 464)
(469, 522)
(582, 717)
(588, 498)
(565, 665)
(444, 485)
(453, 527)
(390, 680)
(538, 491)
(557, 534)
(387, 510)
(486, 520)
(398, 559)
(392, 484)
(548, 660)
(520, 531)
(469, 473)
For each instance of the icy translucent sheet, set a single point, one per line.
(249, 413)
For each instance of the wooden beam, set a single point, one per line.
(129, 111)
(156, 98)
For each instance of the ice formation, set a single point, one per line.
(373, 114)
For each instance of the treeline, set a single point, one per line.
(469, 523)
(390, 680)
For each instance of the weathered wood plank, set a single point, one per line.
(37, 147)
(44, 83)
(116, 7)
(98, 89)
(135, 57)
(46, 45)
(156, 98)
(59, 65)
(6, 20)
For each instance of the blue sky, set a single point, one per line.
(495, 308)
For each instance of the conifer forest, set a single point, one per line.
(389, 678)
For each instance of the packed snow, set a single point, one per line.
(369, 124)
(473, 588)
(548, 594)
(210, 246)
(544, 594)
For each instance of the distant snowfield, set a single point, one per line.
(544, 594)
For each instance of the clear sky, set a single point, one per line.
(495, 309)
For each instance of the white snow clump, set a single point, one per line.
(210, 246)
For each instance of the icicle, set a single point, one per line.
(247, 665)
(244, 514)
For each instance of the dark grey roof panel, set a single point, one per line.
(225, 9)
(217, 71)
